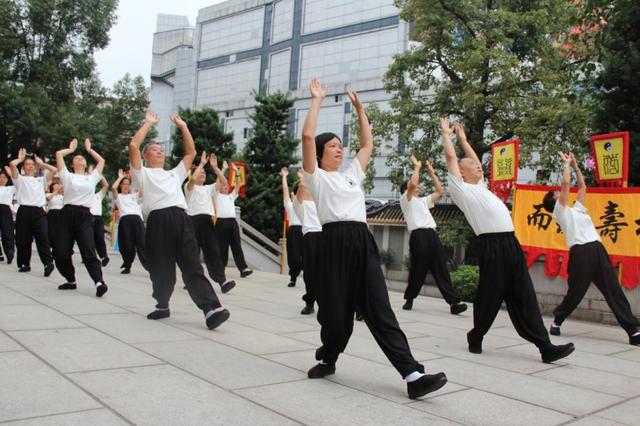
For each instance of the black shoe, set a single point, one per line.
(359, 317)
(291, 284)
(554, 330)
(553, 353)
(159, 314)
(426, 384)
(474, 347)
(226, 287)
(246, 273)
(321, 370)
(67, 286)
(458, 308)
(320, 353)
(408, 305)
(307, 310)
(125, 271)
(24, 269)
(48, 269)
(218, 318)
(105, 261)
(634, 340)
(101, 289)
(9, 259)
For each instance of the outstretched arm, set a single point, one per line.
(116, 184)
(439, 189)
(582, 186)
(13, 165)
(461, 136)
(97, 157)
(60, 154)
(221, 178)
(566, 180)
(414, 181)
(449, 150)
(284, 172)
(135, 157)
(50, 170)
(187, 140)
(366, 138)
(197, 171)
(104, 186)
(318, 93)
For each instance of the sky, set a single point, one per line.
(132, 36)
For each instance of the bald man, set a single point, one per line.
(504, 275)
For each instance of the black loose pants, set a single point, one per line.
(7, 230)
(131, 237)
(98, 236)
(311, 244)
(294, 251)
(208, 242)
(229, 236)
(31, 222)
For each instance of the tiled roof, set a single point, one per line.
(391, 214)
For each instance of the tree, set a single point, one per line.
(617, 50)
(497, 66)
(46, 55)
(269, 149)
(208, 134)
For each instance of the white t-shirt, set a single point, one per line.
(96, 207)
(416, 212)
(129, 204)
(576, 224)
(483, 210)
(308, 215)
(30, 190)
(225, 204)
(338, 195)
(6, 195)
(161, 188)
(292, 217)
(79, 190)
(56, 202)
(199, 199)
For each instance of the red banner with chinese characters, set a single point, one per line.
(615, 213)
(611, 155)
(504, 167)
(238, 179)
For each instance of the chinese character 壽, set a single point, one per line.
(611, 226)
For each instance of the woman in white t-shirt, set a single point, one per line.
(76, 220)
(55, 202)
(504, 276)
(588, 259)
(170, 237)
(201, 212)
(31, 219)
(7, 194)
(306, 211)
(131, 232)
(425, 249)
(294, 232)
(98, 221)
(349, 268)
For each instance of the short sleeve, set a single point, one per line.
(456, 187)
(580, 207)
(96, 176)
(288, 206)
(65, 176)
(559, 211)
(313, 180)
(429, 201)
(355, 170)
(137, 175)
(233, 195)
(181, 171)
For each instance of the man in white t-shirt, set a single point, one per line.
(7, 194)
(588, 259)
(504, 275)
(425, 248)
(170, 238)
(31, 219)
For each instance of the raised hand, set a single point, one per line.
(318, 91)
(355, 100)
(179, 122)
(573, 163)
(566, 159)
(203, 158)
(38, 161)
(151, 117)
(73, 145)
(459, 131)
(415, 161)
(120, 174)
(22, 154)
(213, 161)
(7, 170)
(430, 167)
(225, 165)
(87, 145)
(284, 172)
(445, 127)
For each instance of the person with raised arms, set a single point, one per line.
(504, 276)
(349, 274)
(294, 232)
(98, 222)
(131, 233)
(7, 228)
(170, 238)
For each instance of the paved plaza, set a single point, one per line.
(67, 358)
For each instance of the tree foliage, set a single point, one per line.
(497, 66)
(270, 148)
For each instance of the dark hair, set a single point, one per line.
(53, 182)
(122, 181)
(8, 175)
(403, 186)
(548, 202)
(321, 141)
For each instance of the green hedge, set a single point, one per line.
(465, 280)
